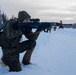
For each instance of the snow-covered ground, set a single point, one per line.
(55, 54)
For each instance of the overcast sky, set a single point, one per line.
(46, 10)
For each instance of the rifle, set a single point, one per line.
(33, 24)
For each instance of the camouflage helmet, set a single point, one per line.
(23, 15)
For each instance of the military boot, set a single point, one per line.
(27, 57)
(15, 68)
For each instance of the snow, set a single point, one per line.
(54, 54)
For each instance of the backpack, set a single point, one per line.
(9, 31)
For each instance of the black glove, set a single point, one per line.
(26, 30)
